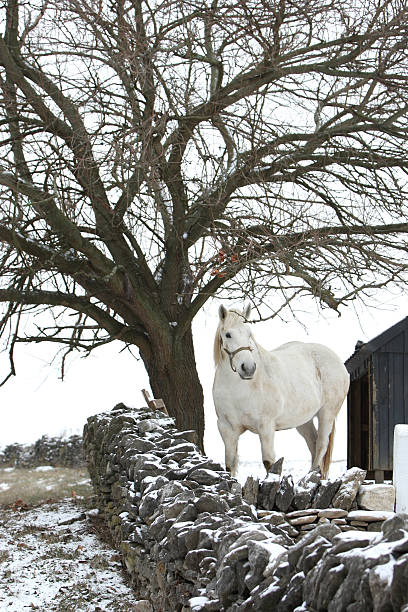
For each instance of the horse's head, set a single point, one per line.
(234, 338)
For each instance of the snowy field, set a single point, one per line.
(55, 556)
(52, 558)
(33, 486)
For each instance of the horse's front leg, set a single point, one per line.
(267, 437)
(230, 438)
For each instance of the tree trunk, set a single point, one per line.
(176, 381)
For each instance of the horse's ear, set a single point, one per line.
(222, 311)
(247, 311)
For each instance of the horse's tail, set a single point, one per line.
(327, 457)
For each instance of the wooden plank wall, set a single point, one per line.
(390, 381)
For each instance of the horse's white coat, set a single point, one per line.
(265, 391)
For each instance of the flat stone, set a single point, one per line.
(339, 521)
(139, 445)
(369, 516)
(189, 434)
(351, 482)
(181, 447)
(271, 514)
(203, 476)
(232, 547)
(175, 473)
(303, 520)
(348, 528)
(332, 513)
(305, 512)
(376, 497)
(359, 523)
(308, 527)
(351, 539)
(274, 518)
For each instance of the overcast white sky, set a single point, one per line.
(36, 402)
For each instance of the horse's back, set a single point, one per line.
(329, 370)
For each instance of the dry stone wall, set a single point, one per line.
(191, 541)
(57, 452)
(301, 507)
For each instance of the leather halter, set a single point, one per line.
(231, 354)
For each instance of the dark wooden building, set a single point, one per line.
(377, 400)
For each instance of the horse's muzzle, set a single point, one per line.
(247, 372)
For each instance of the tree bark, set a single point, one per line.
(175, 380)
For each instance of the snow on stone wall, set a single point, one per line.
(191, 541)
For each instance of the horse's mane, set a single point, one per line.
(233, 316)
(217, 346)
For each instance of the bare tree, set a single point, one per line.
(155, 154)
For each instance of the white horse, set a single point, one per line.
(266, 391)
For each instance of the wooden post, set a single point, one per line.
(379, 476)
(154, 404)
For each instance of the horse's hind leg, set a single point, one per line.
(324, 430)
(267, 437)
(309, 433)
(230, 439)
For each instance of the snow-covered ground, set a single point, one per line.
(52, 559)
(42, 483)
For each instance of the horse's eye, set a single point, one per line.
(228, 335)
